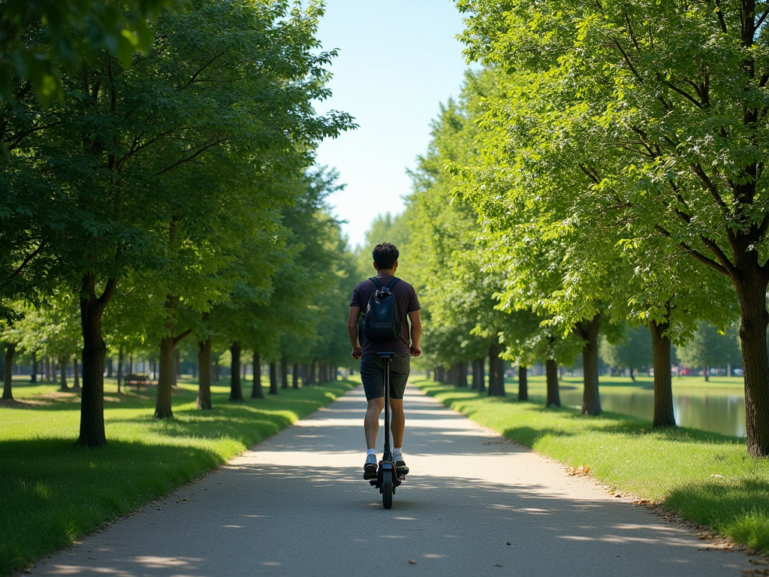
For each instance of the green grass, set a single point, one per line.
(54, 491)
(705, 477)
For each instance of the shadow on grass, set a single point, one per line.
(54, 491)
(737, 508)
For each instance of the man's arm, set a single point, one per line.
(416, 333)
(352, 332)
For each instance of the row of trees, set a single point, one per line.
(170, 194)
(604, 169)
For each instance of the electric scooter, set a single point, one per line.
(387, 477)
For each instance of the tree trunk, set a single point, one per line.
(462, 374)
(751, 291)
(523, 383)
(553, 395)
(295, 376)
(163, 408)
(177, 366)
(63, 374)
(284, 373)
(481, 375)
(496, 378)
(664, 415)
(48, 372)
(204, 374)
(94, 351)
(706, 373)
(256, 389)
(33, 376)
(109, 367)
(120, 355)
(10, 350)
(75, 375)
(273, 378)
(236, 394)
(588, 332)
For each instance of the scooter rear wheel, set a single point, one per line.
(387, 489)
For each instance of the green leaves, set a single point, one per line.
(40, 36)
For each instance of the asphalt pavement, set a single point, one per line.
(474, 504)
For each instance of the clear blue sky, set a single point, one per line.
(398, 59)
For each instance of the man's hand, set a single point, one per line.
(415, 351)
(357, 353)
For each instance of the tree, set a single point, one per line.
(710, 347)
(40, 37)
(632, 353)
(181, 131)
(675, 94)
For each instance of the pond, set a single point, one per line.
(720, 411)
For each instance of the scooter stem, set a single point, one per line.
(387, 451)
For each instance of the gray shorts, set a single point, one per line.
(372, 375)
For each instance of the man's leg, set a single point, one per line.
(371, 421)
(398, 421)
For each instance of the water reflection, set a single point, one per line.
(720, 414)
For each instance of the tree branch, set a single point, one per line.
(720, 13)
(191, 157)
(206, 65)
(761, 19)
(685, 94)
(720, 255)
(694, 253)
(697, 168)
(590, 175)
(109, 292)
(182, 336)
(627, 61)
(25, 262)
(21, 136)
(630, 31)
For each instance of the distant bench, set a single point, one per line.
(138, 381)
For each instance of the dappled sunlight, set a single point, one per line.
(300, 494)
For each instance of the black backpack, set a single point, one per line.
(382, 321)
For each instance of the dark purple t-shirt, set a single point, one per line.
(405, 297)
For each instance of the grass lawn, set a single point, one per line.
(705, 477)
(54, 491)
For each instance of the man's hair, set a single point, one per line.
(385, 254)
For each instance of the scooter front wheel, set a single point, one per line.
(387, 489)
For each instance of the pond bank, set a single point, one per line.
(717, 406)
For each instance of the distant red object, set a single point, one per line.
(685, 372)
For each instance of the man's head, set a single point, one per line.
(385, 256)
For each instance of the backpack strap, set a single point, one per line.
(380, 286)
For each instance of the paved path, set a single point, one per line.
(475, 504)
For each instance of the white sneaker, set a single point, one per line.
(369, 467)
